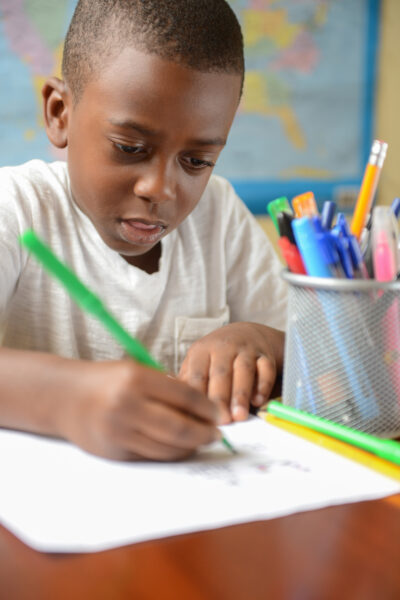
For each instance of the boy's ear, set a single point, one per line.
(55, 106)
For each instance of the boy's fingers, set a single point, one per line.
(220, 385)
(242, 389)
(195, 369)
(177, 394)
(224, 412)
(266, 374)
(171, 427)
(138, 445)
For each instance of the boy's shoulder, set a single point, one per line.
(220, 199)
(34, 194)
(34, 173)
(33, 188)
(220, 186)
(220, 215)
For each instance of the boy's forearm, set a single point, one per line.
(36, 390)
(114, 409)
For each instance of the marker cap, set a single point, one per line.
(327, 214)
(305, 236)
(276, 206)
(304, 205)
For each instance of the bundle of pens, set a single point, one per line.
(311, 244)
(342, 355)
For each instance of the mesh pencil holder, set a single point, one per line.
(342, 352)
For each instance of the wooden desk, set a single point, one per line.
(349, 551)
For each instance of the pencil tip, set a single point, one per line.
(229, 446)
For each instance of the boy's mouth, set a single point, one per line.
(141, 231)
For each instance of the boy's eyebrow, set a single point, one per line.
(128, 124)
(218, 141)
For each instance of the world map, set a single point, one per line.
(305, 119)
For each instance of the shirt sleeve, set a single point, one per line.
(255, 289)
(13, 221)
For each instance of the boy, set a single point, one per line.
(149, 92)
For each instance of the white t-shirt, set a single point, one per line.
(216, 267)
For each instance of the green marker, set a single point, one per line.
(89, 302)
(276, 206)
(387, 449)
(86, 299)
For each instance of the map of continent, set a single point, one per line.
(31, 42)
(304, 116)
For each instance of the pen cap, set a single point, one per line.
(327, 247)
(327, 214)
(343, 225)
(343, 248)
(304, 205)
(306, 239)
(276, 206)
(355, 252)
(285, 225)
(395, 207)
(353, 246)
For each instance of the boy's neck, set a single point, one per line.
(148, 262)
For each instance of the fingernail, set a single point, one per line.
(239, 413)
(259, 400)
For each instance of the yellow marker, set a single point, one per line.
(351, 452)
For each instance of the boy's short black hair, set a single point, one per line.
(201, 34)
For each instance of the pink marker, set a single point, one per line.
(384, 261)
(384, 244)
(384, 256)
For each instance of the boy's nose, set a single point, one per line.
(156, 183)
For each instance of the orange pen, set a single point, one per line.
(304, 205)
(368, 187)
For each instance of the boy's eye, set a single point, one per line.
(129, 149)
(198, 163)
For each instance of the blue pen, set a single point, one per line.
(342, 245)
(360, 270)
(327, 214)
(327, 248)
(356, 257)
(395, 207)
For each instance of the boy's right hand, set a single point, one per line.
(126, 411)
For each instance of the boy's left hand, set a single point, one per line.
(236, 366)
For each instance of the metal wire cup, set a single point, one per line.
(342, 351)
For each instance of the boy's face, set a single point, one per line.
(142, 142)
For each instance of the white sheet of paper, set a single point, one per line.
(58, 498)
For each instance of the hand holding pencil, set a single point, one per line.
(126, 411)
(121, 410)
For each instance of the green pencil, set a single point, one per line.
(387, 449)
(89, 302)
